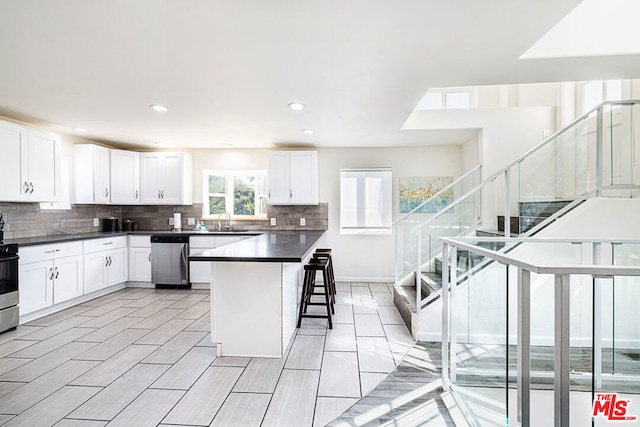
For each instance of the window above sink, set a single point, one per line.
(241, 193)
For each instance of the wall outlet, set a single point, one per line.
(303, 222)
(191, 221)
(273, 221)
(170, 221)
(96, 222)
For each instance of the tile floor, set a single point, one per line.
(143, 357)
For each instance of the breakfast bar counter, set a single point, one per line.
(255, 291)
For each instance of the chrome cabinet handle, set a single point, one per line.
(107, 243)
(110, 261)
(31, 185)
(162, 192)
(136, 194)
(106, 192)
(106, 261)
(51, 274)
(290, 193)
(149, 257)
(57, 272)
(26, 187)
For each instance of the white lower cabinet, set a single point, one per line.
(105, 263)
(36, 286)
(49, 274)
(140, 259)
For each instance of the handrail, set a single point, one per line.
(435, 196)
(503, 258)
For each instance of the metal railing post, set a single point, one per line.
(419, 274)
(597, 319)
(524, 348)
(450, 273)
(561, 363)
(445, 318)
(599, 148)
(507, 202)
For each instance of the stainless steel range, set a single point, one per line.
(9, 315)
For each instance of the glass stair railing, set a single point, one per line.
(594, 156)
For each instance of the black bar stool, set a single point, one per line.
(326, 254)
(309, 289)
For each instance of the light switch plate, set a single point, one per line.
(273, 221)
(191, 221)
(303, 222)
(96, 222)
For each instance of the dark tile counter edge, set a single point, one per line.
(296, 257)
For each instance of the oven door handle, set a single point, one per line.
(9, 258)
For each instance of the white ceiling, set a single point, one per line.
(228, 69)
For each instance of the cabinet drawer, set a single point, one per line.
(50, 251)
(140, 241)
(96, 245)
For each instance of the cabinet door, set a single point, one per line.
(13, 174)
(149, 175)
(44, 166)
(140, 264)
(117, 267)
(125, 177)
(199, 272)
(36, 286)
(101, 174)
(67, 279)
(172, 179)
(303, 177)
(279, 177)
(95, 269)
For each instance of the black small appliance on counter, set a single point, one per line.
(128, 225)
(110, 224)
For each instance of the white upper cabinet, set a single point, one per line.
(92, 170)
(166, 178)
(31, 164)
(293, 177)
(125, 177)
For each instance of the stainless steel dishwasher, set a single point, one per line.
(169, 261)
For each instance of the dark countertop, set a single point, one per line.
(282, 246)
(61, 238)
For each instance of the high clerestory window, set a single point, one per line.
(446, 99)
(243, 193)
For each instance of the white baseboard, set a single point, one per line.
(70, 303)
(365, 279)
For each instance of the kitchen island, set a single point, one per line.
(255, 291)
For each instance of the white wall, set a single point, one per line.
(507, 133)
(361, 257)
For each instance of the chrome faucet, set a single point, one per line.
(227, 227)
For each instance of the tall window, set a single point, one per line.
(365, 201)
(240, 193)
(594, 92)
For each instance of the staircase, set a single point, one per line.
(549, 180)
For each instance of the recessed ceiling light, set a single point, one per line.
(158, 107)
(226, 144)
(308, 131)
(80, 129)
(296, 106)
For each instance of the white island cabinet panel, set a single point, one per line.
(246, 313)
